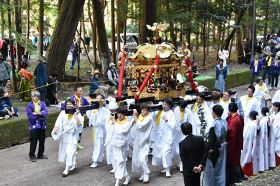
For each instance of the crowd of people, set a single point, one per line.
(225, 137)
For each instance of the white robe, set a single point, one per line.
(276, 97)
(97, 119)
(248, 105)
(225, 107)
(178, 135)
(259, 94)
(253, 147)
(119, 143)
(162, 151)
(275, 119)
(141, 146)
(109, 128)
(268, 135)
(208, 118)
(68, 136)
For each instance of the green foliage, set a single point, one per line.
(233, 80)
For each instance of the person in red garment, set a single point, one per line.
(235, 124)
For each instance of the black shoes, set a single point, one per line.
(33, 159)
(42, 157)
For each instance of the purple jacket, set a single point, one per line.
(275, 68)
(35, 121)
(252, 65)
(84, 103)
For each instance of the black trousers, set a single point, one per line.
(274, 79)
(192, 179)
(35, 136)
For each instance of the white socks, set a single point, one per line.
(145, 178)
(73, 167)
(117, 182)
(93, 165)
(66, 171)
(127, 180)
(167, 173)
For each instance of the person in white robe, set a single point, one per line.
(201, 113)
(249, 103)
(275, 120)
(260, 91)
(268, 137)
(66, 130)
(276, 97)
(113, 106)
(97, 120)
(225, 101)
(182, 114)
(162, 151)
(156, 119)
(252, 156)
(119, 142)
(141, 147)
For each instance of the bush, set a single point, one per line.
(233, 80)
(15, 131)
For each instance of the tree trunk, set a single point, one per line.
(2, 19)
(239, 46)
(265, 21)
(118, 26)
(172, 29)
(125, 21)
(41, 27)
(59, 3)
(28, 20)
(63, 35)
(113, 30)
(93, 34)
(204, 40)
(148, 17)
(196, 41)
(17, 11)
(101, 32)
(11, 46)
(240, 14)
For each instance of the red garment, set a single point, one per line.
(277, 159)
(248, 169)
(235, 124)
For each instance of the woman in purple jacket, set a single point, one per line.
(274, 71)
(37, 112)
(255, 66)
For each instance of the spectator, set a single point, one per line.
(5, 71)
(87, 43)
(214, 158)
(235, 126)
(95, 81)
(52, 97)
(221, 76)
(41, 79)
(24, 86)
(4, 48)
(255, 67)
(113, 75)
(74, 50)
(6, 107)
(266, 67)
(191, 152)
(37, 112)
(275, 70)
